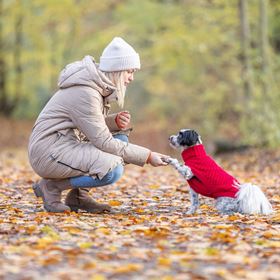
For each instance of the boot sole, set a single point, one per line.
(38, 192)
(75, 208)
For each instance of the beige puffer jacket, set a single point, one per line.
(82, 102)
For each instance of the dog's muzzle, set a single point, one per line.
(173, 140)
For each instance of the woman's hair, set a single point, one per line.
(117, 79)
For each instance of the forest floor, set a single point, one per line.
(148, 236)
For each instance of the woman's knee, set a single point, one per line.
(114, 175)
(90, 182)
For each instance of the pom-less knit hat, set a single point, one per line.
(118, 56)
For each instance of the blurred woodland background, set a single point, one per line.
(212, 65)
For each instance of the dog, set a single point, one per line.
(207, 178)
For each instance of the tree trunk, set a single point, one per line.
(8, 105)
(245, 50)
(69, 43)
(17, 57)
(3, 93)
(264, 47)
(54, 38)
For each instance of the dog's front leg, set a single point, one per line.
(184, 170)
(194, 202)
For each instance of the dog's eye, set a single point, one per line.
(180, 133)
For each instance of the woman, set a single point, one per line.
(75, 144)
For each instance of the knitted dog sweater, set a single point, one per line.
(209, 178)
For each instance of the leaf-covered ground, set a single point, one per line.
(148, 236)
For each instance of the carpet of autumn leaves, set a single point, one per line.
(148, 236)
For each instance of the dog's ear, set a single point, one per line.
(189, 138)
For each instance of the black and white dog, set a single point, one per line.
(207, 178)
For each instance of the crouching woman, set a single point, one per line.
(75, 143)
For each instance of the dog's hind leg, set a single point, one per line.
(194, 202)
(227, 205)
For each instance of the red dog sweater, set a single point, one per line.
(209, 178)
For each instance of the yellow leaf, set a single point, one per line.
(204, 206)
(221, 272)
(274, 244)
(268, 234)
(168, 277)
(85, 245)
(113, 249)
(50, 260)
(125, 232)
(98, 277)
(212, 251)
(44, 242)
(276, 217)
(131, 267)
(89, 265)
(164, 261)
(50, 232)
(115, 203)
(154, 187)
(72, 230)
(30, 229)
(223, 226)
(103, 230)
(233, 218)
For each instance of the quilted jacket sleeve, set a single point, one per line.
(111, 123)
(87, 115)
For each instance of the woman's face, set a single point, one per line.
(128, 76)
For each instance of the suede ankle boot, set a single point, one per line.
(80, 199)
(50, 191)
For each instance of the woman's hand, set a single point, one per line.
(123, 119)
(156, 159)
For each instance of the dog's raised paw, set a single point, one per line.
(167, 160)
(173, 161)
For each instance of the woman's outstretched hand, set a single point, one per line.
(156, 159)
(123, 119)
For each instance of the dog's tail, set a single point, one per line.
(252, 200)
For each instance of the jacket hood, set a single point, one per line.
(85, 73)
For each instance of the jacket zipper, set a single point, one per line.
(71, 166)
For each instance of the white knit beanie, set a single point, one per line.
(118, 56)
